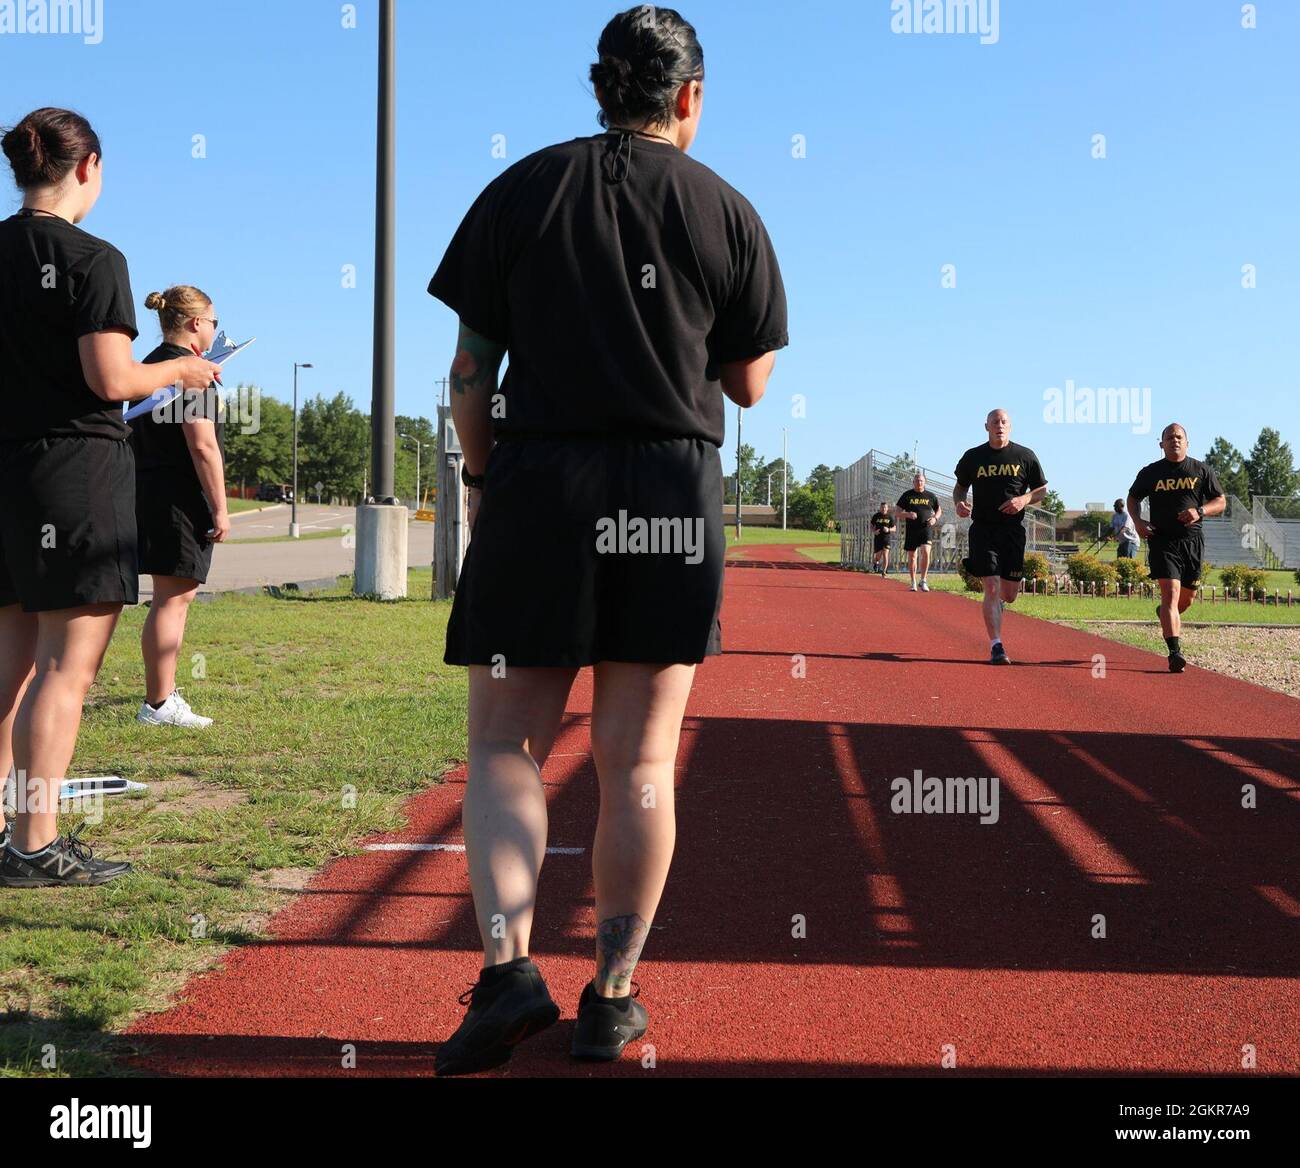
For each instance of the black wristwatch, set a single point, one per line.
(470, 480)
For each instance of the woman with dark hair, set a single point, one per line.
(180, 502)
(67, 478)
(633, 288)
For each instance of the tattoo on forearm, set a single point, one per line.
(477, 363)
(618, 947)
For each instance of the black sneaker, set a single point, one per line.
(999, 655)
(65, 861)
(603, 1030)
(1177, 662)
(500, 1017)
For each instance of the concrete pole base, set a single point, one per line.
(295, 531)
(381, 552)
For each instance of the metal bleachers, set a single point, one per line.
(881, 478)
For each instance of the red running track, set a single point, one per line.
(1121, 795)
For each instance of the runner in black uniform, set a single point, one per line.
(633, 288)
(921, 509)
(882, 525)
(1006, 478)
(1182, 491)
(67, 478)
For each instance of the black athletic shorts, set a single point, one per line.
(997, 549)
(67, 523)
(593, 549)
(173, 519)
(916, 537)
(880, 543)
(1176, 559)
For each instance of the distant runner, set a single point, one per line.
(922, 511)
(882, 523)
(1006, 479)
(1182, 491)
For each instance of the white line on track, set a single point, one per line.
(456, 848)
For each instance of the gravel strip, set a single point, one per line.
(1268, 657)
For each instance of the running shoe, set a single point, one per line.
(7, 834)
(1177, 662)
(63, 862)
(924, 586)
(500, 1016)
(175, 711)
(999, 655)
(912, 588)
(603, 1029)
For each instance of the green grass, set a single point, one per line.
(330, 533)
(236, 506)
(1082, 608)
(312, 695)
(774, 535)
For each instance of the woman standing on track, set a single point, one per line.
(626, 281)
(67, 478)
(180, 502)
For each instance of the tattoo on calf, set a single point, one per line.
(618, 946)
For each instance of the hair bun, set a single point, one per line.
(155, 301)
(618, 69)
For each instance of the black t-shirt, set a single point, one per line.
(924, 503)
(619, 284)
(995, 476)
(1173, 487)
(57, 284)
(883, 524)
(159, 441)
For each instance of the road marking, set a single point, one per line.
(456, 848)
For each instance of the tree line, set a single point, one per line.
(333, 448)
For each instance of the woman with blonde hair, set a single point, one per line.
(67, 477)
(180, 501)
(633, 288)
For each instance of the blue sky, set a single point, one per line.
(922, 150)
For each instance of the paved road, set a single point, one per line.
(249, 565)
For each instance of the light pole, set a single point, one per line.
(293, 517)
(418, 446)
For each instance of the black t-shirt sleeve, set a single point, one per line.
(1141, 487)
(963, 472)
(103, 296)
(753, 321)
(902, 501)
(471, 280)
(1213, 488)
(1034, 474)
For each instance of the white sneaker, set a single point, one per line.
(175, 711)
(911, 588)
(924, 586)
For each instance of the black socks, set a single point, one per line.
(1172, 642)
(618, 1003)
(494, 973)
